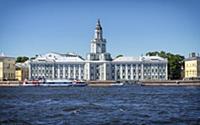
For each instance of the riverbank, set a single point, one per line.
(90, 83)
(170, 83)
(10, 83)
(112, 82)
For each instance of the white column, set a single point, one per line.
(79, 71)
(74, 68)
(142, 72)
(115, 72)
(69, 68)
(85, 71)
(136, 71)
(120, 71)
(109, 70)
(64, 71)
(157, 65)
(58, 72)
(53, 72)
(152, 74)
(94, 71)
(29, 70)
(126, 71)
(88, 71)
(166, 73)
(105, 73)
(131, 71)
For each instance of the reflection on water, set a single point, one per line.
(100, 105)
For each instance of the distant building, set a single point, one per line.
(192, 66)
(98, 65)
(7, 68)
(22, 71)
(140, 68)
(57, 66)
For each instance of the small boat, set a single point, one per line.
(117, 84)
(63, 82)
(78, 83)
(30, 83)
(56, 82)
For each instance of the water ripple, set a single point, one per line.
(100, 105)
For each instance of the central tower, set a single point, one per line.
(98, 63)
(98, 45)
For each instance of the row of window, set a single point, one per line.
(191, 65)
(129, 77)
(56, 72)
(57, 65)
(41, 75)
(9, 75)
(123, 67)
(139, 77)
(191, 73)
(139, 71)
(139, 65)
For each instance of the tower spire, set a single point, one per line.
(98, 25)
(98, 31)
(98, 21)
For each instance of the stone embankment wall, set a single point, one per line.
(108, 83)
(10, 83)
(172, 82)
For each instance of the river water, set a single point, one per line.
(134, 105)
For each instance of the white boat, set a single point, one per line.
(117, 84)
(63, 82)
(30, 83)
(57, 82)
(78, 83)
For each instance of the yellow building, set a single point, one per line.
(21, 72)
(7, 68)
(192, 66)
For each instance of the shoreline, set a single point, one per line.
(170, 83)
(111, 82)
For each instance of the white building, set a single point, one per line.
(98, 65)
(57, 66)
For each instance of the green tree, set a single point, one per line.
(119, 56)
(34, 57)
(175, 63)
(21, 59)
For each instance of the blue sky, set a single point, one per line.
(131, 27)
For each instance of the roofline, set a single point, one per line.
(1, 57)
(192, 58)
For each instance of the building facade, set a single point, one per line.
(57, 66)
(98, 64)
(7, 68)
(140, 68)
(192, 66)
(22, 71)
